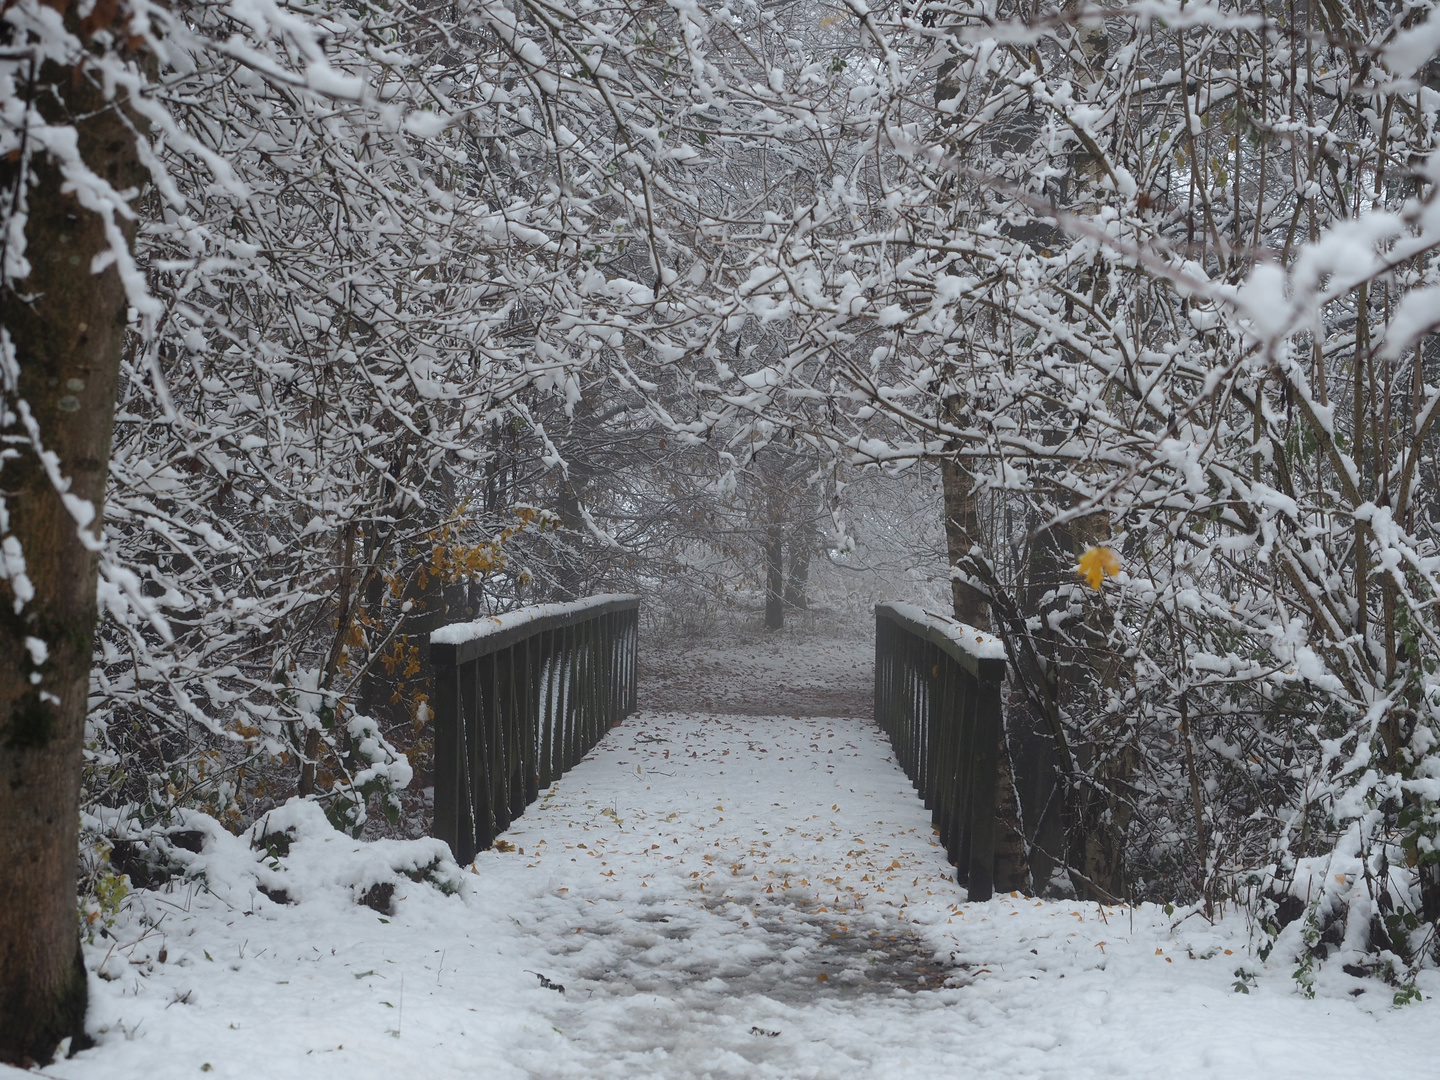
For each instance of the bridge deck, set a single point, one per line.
(720, 896)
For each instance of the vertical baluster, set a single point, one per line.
(891, 706)
(932, 721)
(559, 659)
(536, 697)
(480, 758)
(597, 676)
(515, 730)
(530, 686)
(940, 748)
(547, 709)
(578, 674)
(634, 703)
(581, 705)
(605, 629)
(572, 699)
(913, 714)
(579, 748)
(886, 693)
(617, 660)
(592, 684)
(902, 705)
(494, 688)
(917, 708)
(954, 704)
(607, 671)
(965, 781)
(917, 751)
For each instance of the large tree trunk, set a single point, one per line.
(801, 545)
(67, 328)
(962, 530)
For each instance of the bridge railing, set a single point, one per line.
(519, 699)
(937, 696)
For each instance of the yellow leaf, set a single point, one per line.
(1096, 563)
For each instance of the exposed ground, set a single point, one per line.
(749, 672)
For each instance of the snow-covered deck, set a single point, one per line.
(719, 896)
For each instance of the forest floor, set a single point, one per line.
(723, 889)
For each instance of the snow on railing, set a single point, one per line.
(460, 633)
(977, 643)
(937, 697)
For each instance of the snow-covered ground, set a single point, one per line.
(720, 896)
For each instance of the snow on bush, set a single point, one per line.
(292, 855)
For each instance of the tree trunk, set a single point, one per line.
(67, 327)
(774, 575)
(573, 573)
(801, 544)
(569, 574)
(962, 530)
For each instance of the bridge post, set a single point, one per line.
(448, 758)
(989, 730)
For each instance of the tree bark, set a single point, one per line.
(573, 572)
(774, 575)
(962, 529)
(66, 326)
(800, 544)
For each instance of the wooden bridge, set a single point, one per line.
(520, 698)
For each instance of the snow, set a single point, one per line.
(459, 633)
(977, 643)
(720, 896)
(1413, 47)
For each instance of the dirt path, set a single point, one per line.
(761, 676)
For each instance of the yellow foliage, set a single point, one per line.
(402, 657)
(1096, 563)
(452, 560)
